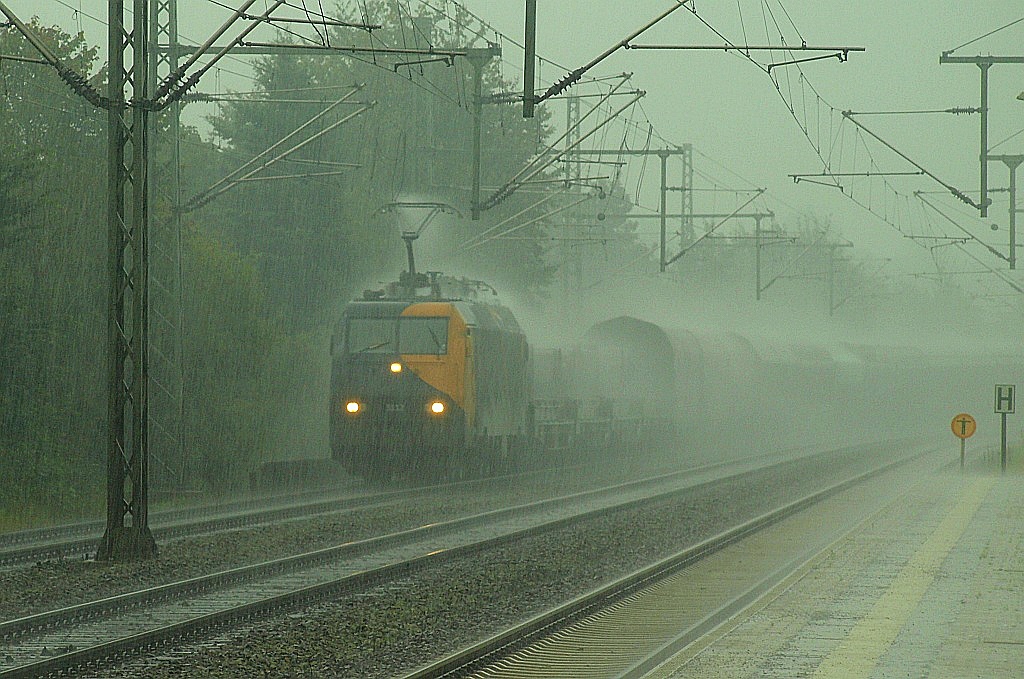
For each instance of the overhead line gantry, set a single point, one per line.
(531, 99)
(984, 63)
(135, 90)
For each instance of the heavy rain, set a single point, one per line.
(390, 338)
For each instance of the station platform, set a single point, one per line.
(931, 585)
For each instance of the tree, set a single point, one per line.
(227, 337)
(319, 239)
(52, 297)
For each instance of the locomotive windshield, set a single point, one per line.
(411, 335)
(418, 335)
(371, 336)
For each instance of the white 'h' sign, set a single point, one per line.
(1004, 398)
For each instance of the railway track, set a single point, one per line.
(79, 540)
(77, 636)
(629, 627)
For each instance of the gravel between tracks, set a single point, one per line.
(399, 626)
(53, 584)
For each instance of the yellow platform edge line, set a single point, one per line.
(872, 635)
(673, 665)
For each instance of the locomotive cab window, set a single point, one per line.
(371, 336)
(418, 335)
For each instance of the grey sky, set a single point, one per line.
(730, 110)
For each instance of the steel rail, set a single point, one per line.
(516, 638)
(54, 618)
(72, 540)
(744, 599)
(76, 539)
(335, 586)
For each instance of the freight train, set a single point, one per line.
(433, 380)
(425, 384)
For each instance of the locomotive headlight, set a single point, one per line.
(353, 407)
(396, 367)
(437, 407)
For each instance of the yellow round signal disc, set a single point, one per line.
(964, 426)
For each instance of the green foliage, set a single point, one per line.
(319, 238)
(226, 338)
(52, 252)
(41, 110)
(265, 266)
(17, 175)
(44, 485)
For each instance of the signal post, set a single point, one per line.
(963, 426)
(1005, 397)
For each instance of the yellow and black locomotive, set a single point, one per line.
(428, 382)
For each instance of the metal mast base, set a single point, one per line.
(127, 544)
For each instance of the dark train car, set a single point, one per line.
(627, 360)
(435, 386)
(427, 387)
(610, 395)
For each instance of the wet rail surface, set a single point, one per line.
(97, 630)
(627, 627)
(79, 540)
(77, 635)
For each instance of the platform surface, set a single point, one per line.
(930, 586)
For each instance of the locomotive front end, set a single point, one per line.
(398, 394)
